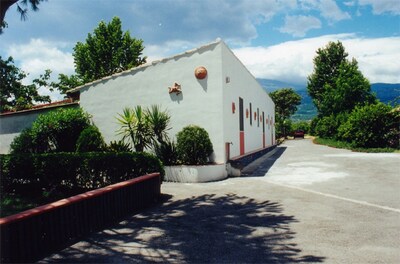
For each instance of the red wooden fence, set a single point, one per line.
(33, 234)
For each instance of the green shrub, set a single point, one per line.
(372, 126)
(38, 172)
(23, 143)
(194, 145)
(119, 146)
(56, 131)
(166, 151)
(90, 140)
(301, 125)
(327, 126)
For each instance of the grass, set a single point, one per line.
(345, 145)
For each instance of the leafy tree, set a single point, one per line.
(108, 50)
(66, 82)
(15, 95)
(286, 101)
(326, 71)
(22, 8)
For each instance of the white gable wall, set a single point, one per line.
(242, 84)
(200, 102)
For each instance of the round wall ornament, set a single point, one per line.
(200, 72)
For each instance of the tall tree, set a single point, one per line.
(107, 51)
(337, 85)
(326, 70)
(14, 95)
(286, 101)
(22, 8)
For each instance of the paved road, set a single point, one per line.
(306, 203)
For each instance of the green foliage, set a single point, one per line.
(301, 125)
(337, 85)
(90, 140)
(23, 143)
(56, 131)
(159, 122)
(283, 128)
(194, 145)
(144, 127)
(14, 94)
(66, 82)
(345, 145)
(38, 172)
(372, 126)
(327, 126)
(135, 126)
(350, 89)
(326, 71)
(108, 50)
(167, 152)
(286, 101)
(119, 146)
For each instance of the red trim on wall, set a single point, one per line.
(241, 143)
(263, 140)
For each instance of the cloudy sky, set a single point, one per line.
(275, 39)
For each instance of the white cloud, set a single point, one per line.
(38, 55)
(383, 6)
(293, 61)
(331, 11)
(328, 9)
(234, 21)
(299, 25)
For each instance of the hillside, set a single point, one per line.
(386, 93)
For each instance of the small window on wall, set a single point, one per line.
(258, 117)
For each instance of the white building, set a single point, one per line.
(228, 102)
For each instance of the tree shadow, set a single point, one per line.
(201, 229)
(261, 166)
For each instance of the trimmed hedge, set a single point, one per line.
(38, 172)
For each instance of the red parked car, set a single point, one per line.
(298, 134)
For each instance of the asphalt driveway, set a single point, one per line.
(305, 203)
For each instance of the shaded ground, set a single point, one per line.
(306, 203)
(205, 228)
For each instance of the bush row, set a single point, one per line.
(40, 172)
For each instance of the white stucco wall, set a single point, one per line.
(242, 84)
(200, 102)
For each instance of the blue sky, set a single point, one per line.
(275, 39)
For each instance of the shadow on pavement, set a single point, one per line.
(262, 165)
(201, 229)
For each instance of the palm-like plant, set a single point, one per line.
(135, 125)
(159, 122)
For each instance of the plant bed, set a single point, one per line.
(195, 173)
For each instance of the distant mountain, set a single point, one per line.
(387, 93)
(272, 85)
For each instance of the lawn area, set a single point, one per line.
(345, 145)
